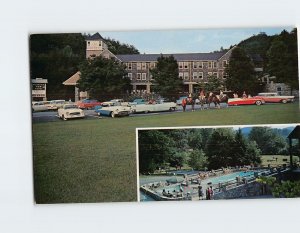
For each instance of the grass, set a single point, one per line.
(277, 160)
(95, 160)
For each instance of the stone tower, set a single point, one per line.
(94, 45)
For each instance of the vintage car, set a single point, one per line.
(55, 104)
(39, 106)
(245, 101)
(112, 110)
(153, 107)
(273, 97)
(88, 104)
(70, 111)
(115, 102)
(137, 101)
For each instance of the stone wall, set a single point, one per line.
(242, 191)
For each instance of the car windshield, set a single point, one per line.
(70, 106)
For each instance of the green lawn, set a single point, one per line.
(95, 160)
(277, 160)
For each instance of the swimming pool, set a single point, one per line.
(232, 176)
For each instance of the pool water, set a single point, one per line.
(232, 176)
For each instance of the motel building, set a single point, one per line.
(194, 68)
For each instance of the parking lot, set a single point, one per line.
(49, 116)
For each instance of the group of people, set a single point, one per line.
(244, 96)
(175, 193)
(209, 193)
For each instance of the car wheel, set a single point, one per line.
(284, 101)
(112, 114)
(63, 117)
(258, 102)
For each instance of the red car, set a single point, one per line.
(245, 101)
(88, 104)
(273, 97)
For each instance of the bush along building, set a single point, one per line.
(194, 68)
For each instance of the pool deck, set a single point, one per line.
(194, 180)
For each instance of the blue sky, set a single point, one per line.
(185, 41)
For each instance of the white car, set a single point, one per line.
(39, 106)
(70, 111)
(112, 110)
(55, 104)
(154, 107)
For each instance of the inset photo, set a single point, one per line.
(215, 163)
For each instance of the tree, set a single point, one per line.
(116, 47)
(56, 57)
(177, 159)
(269, 141)
(103, 77)
(197, 160)
(283, 59)
(245, 152)
(155, 148)
(241, 76)
(165, 75)
(213, 84)
(219, 148)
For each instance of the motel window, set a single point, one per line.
(138, 76)
(209, 73)
(215, 74)
(209, 64)
(200, 64)
(181, 75)
(186, 65)
(138, 66)
(152, 65)
(99, 43)
(186, 75)
(143, 66)
(224, 63)
(88, 43)
(196, 64)
(144, 76)
(129, 66)
(180, 65)
(215, 64)
(204, 64)
(200, 75)
(130, 76)
(195, 75)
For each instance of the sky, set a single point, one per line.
(187, 41)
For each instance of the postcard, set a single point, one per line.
(100, 100)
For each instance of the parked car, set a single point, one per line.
(115, 102)
(88, 104)
(55, 104)
(70, 111)
(245, 101)
(273, 97)
(179, 101)
(39, 106)
(138, 101)
(112, 110)
(154, 107)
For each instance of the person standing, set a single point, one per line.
(183, 103)
(200, 192)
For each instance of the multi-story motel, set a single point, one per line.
(194, 68)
